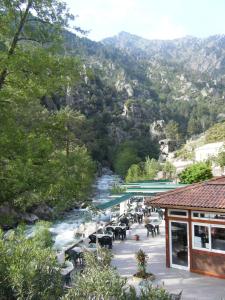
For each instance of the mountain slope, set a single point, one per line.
(135, 82)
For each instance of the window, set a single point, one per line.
(201, 236)
(178, 213)
(200, 215)
(218, 238)
(217, 216)
(208, 215)
(208, 237)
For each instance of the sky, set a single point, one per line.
(151, 19)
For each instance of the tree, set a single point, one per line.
(168, 170)
(65, 127)
(27, 269)
(30, 30)
(72, 183)
(125, 157)
(194, 126)
(40, 151)
(197, 172)
(172, 130)
(134, 173)
(151, 168)
(220, 159)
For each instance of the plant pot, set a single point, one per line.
(144, 281)
(137, 280)
(136, 237)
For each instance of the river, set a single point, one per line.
(63, 229)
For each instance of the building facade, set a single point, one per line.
(195, 227)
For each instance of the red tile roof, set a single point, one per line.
(207, 194)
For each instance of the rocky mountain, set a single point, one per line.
(134, 82)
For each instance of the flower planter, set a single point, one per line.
(143, 281)
(136, 237)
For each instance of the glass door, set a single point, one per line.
(179, 257)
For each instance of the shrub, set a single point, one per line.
(196, 173)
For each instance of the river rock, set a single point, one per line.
(9, 218)
(29, 218)
(43, 212)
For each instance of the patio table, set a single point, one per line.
(114, 226)
(77, 249)
(100, 235)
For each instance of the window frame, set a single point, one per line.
(210, 249)
(216, 226)
(207, 219)
(178, 216)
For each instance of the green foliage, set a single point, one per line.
(125, 157)
(30, 35)
(146, 170)
(169, 170)
(117, 189)
(42, 235)
(172, 130)
(216, 133)
(154, 293)
(196, 172)
(42, 156)
(141, 258)
(134, 173)
(72, 179)
(220, 159)
(27, 270)
(151, 168)
(98, 280)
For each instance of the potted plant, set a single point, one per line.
(142, 274)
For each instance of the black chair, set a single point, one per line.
(76, 257)
(67, 279)
(120, 233)
(100, 231)
(110, 230)
(150, 228)
(92, 238)
(105, 241)
(157, 229)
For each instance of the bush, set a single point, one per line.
(27, 270)
(196, 173)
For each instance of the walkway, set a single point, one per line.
(194, 286)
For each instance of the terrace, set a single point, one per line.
(193, 286)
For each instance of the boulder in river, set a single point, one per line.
(43, 212)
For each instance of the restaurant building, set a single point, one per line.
(195, 226)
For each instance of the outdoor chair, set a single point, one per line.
(106, 241)
(120, 233)
(157, 229)
(67, 279)
(150, 228)
(110, 230)
(74, 256)
(92, 238)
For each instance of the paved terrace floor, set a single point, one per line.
(194, 286)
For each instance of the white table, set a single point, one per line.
(100, 235)
(114, 226)
(77, 249)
